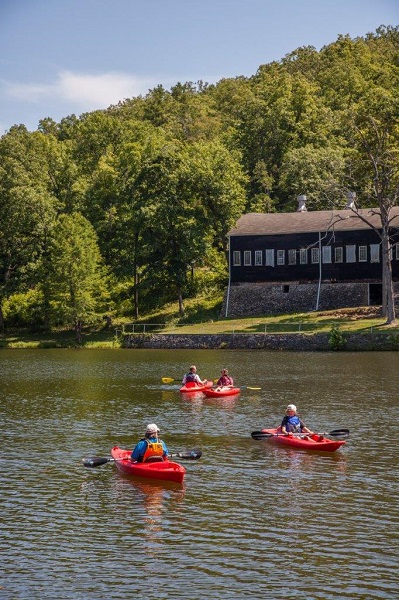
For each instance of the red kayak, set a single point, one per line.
(166, 470)
(191, 386)
(221, 392)
(303, 441)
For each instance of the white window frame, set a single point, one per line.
(314, 256)
(236, 258)
(326, 251)
(374, 253)
(292, 257)
(303, 256)
(350, 253)
(362, 250)
(258, 258)
(269, 258)
(281, 257)
(339, 254)
(247, 258)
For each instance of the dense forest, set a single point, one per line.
(119, 211)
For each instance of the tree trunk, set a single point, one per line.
(136, 278)
(388, 301)
(78, 332)
(2, 327)
(181, 305)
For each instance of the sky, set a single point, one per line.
(63, 57)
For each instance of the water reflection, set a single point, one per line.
(247, 509)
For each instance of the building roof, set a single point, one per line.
(309, 221)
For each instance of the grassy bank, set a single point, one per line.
(356, 320)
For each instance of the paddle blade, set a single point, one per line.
(95, 461)
(194, 454)
(167, 379)
(261, 435)
(252, 388)
(339, 432)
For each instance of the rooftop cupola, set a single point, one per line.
(301, 203)
(350, 201)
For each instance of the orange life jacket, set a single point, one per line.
(153, 449)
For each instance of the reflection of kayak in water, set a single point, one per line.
(191, 386)
(221, 392)
(164, 469)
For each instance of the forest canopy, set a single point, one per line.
(119, 211)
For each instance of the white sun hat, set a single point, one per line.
(152, 428)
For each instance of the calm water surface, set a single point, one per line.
(251, 520)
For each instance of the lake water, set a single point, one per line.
(252, 520)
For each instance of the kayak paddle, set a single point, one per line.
(264, 435)
(171, 380)
(97, 461)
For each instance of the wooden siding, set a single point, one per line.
(335, 272)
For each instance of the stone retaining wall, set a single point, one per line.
(278, 298)
(260, 341)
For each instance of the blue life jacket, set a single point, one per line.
(293, 424)
(191, 377)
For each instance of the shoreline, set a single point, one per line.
(295, 342)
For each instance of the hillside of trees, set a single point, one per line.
(119, 211)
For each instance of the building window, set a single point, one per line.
(374, 253)
(236, 258)
(247, 258)
(303, 256)
(314, 256)
(351, 254)
(281, 257)
(269, 262)
(339, 254)
(258, 258)
(286, 289)
(362, 253)
(326, 254)
(292, 257)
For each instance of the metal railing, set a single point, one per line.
(265, 328)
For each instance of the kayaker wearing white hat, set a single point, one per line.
(292, 423)
(150, 447)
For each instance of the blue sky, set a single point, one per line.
(59, 57)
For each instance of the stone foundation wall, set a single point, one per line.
(260, 341)
(276, 298)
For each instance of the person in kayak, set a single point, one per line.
(150, 447)
(291, 423)
(225, 380)
(193, 376)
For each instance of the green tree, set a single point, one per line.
(27, 209)
(76, 278)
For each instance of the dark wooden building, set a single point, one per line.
(306, 260)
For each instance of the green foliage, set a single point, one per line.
(146, 191)
(24, 309)
(75, 279)
(336, 338)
